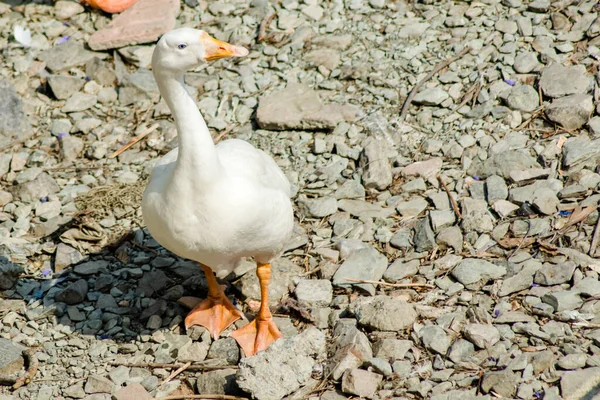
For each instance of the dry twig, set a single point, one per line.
(452, 201)
(264, 25)
(435, 70)
(32, 366)
(134, 140)
(394, 285)
(174, 374)
(171, 366)
(595, 238)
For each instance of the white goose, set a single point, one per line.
(215, 204)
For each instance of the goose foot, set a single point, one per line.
(216, 313)
(256, 336)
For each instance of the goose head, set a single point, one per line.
(183, 49)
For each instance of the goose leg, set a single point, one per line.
(216, 312)
(260, 333)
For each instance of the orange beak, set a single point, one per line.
(216, 49)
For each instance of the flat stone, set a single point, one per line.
(384, 313)
(503, 163)
(377, 173)
(563, 301)
(67, 55)
(412, 208)
(319, 207)
(400, 269)
(482, 336)
(435, 338)
(391, 349)
(555, 274)
(571, 112)
(98, 384)
(572, 361)
(560, 80)
(91, 267)
(79, 102)
(523, 98)
(328, 58)
(63, 86)
(579, 385)
(360, 382)
(431, 96)
(144, 22)
(13, 121)
(362, 264)
(473, 270)
(218, 382)
(526, 62)
(133, 391)
(284, 367)
(314, 292)
(579, 152)
(299, 107)
(74, 293)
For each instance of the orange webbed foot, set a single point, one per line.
(256, 336)
(215, 314)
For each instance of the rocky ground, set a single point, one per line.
(445, 247)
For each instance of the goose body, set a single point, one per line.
(215, 204)
(244, 212)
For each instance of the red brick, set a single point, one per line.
(143, 22)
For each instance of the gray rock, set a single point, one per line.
(579, 152)
(526, 62)
(546, 201)
(559, 80)
(363, 209)
(350, 189)
(221, 381)
(442, 219)
(555, 274)
(431, 96)
(315, 292)
(400, 269)
(319, 207)
(473, 270)
(482, 336)
(461, 350)
(224, 349)
(283, 368)
(540, 6)
(503, 163)
(362, 264)
(579, 385)
(506, 26)
(193, 352)
(523, 98)
(377, 173)
(571, 112)
(450, 237)
(360, 383)
(424, 238)
(412, 208)
(503, 383)
(516, 283)
(379, 365)
(91, 267)
(435, 339)
(75, 293)
(63, 86)
(572, 361)
(391, 349)
(589, 286)
(496, 189)
(9, 273)
(98, 384)
(71, 147)
(563, 301)
(383, 313)
(476, 216)
(67, 55)
(299, 107)
(328, 58)
(79, 102)
(13, 121)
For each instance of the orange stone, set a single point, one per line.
(144, 22)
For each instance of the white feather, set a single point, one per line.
(22, 35)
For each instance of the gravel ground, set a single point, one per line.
(445, 247)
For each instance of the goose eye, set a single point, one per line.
(182, 46)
